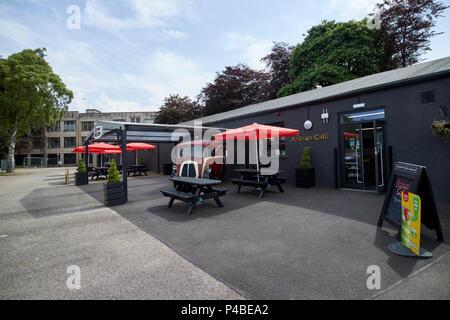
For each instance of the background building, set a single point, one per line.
(56, 143)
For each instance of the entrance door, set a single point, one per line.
(353, 170)
(363, 154)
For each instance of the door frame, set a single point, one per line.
(341, 160)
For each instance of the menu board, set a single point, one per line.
(414, 179)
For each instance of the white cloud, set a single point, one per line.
(166, 73)
(349, 9)
(106, 104)
(141, 14)
(249, 49)
(16, 32)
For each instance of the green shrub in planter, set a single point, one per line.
(141, 161)
(113, 189)
(81, 176)
(305, 174)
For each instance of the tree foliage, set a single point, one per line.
(235, 87)
(31, 96)
(331, 53)
(277, 61)
(305, 162)
(406, 29)
(176, 109)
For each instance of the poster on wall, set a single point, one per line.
(413, 179)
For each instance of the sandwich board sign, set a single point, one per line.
(412, 179)
(410, 230)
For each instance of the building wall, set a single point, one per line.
(90, 116)
(407, 130)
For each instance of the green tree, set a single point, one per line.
(31, 96)
(333, 52)
(176, 109)
(113, 173)
(305, 163)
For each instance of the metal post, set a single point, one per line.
(123, 140)
(86, 158)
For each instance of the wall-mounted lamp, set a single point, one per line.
(308, 125)
(325, 116)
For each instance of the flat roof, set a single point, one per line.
(146, 132)
(418, 72)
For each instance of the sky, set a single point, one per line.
(128, 55)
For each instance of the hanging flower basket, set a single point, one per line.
(441, 129)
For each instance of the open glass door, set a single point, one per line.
(353, 171)
(380, 156)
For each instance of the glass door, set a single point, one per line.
(380, 156)
(353, 172)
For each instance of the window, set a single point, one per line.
(70, 158)
(362, 116)
(119, 120)
(149, 121)
(56, 128)
(70, 142)
(69, 125)
(427, 97)
(136, 120)
(35, 143)
(54, 143)
(282, 141)
(87, 125)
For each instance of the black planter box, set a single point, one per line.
(305, 178)
(81, 178)
(113, 194)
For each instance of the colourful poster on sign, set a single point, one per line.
(410, 230)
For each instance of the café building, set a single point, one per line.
(358, 129)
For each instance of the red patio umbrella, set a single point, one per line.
(99, 148)
(135, 146)
(256, 132)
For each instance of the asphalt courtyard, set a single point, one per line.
(301, 244)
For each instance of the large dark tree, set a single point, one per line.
(233, 88)
(332, 53)
(406, 29)
(176, 109)
(278, 63)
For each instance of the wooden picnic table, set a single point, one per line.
(193, 191)
(260, 181)
(137, 168)
(97, 172)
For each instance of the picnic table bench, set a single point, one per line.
(97, 172)
(261, 182)
(193, 191)
(137, 169)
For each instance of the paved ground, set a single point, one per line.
(303, 244)
(46, 227)
(298, 245)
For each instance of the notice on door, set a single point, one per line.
(411, 216)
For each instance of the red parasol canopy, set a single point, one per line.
(101, 148)
(139, 146)
(255, 132)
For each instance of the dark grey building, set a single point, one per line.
(361, 127)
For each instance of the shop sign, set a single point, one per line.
(313, 138)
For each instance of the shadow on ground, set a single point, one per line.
(301, 244)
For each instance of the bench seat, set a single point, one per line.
(248, 182)
(179, 195)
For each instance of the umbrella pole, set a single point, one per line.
(257, 156)
(136, 157)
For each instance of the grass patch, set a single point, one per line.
(12, 173)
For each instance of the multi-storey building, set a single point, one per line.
(70, 133)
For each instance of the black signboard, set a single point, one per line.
(412, 178)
